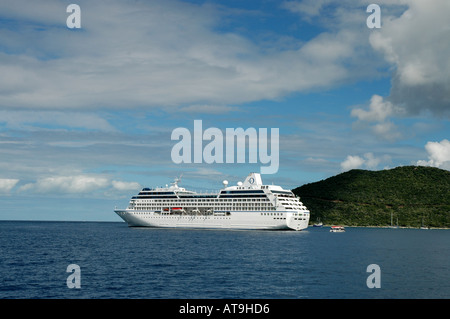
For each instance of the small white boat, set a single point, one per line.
(318, 224)
(337, 229)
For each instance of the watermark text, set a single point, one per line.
(74, 279)
(74, 19)
(374, 279)
(238, 144)
(374, 20)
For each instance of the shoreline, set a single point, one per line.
(389, 227)
(309, 226)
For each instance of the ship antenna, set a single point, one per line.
(177, 180)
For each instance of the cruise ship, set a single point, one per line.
(248, 205)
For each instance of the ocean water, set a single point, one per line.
(117, 261)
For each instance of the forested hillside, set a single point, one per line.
(413, 195)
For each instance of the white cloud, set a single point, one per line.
(368, 161)
(162, 53)
(417, 45)
(6, 184)
(78, 184)
(208, 109)
(438, 154)
(135, 54)
(371, 161)
(379, 112)
(387, 131)
(122, 186)
(415, 42)
(67, 184)
(352, 162)
(29, 120)
(309, 8)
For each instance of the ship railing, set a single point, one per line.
(207, 192)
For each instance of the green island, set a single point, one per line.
(407, 196)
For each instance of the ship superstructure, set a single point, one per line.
(247, 205)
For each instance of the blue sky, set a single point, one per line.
(86, 115)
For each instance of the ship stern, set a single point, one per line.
(297, 220)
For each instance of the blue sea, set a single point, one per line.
(116, 261)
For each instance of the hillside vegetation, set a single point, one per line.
(412, 195)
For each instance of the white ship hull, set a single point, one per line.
(235, 220)
(249, 205)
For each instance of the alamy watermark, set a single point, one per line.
(74, 279)
(73, 21)
(190, 147)
(374, 20)
(374, 279)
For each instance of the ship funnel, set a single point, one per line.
(253, 179)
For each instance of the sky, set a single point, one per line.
(87, 114)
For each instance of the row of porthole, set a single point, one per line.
(186, 217)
